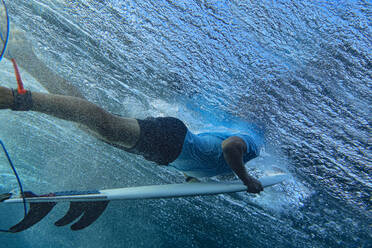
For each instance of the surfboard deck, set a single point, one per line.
(87, 206)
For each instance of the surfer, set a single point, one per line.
(163, 140)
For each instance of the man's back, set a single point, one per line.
(202, 154)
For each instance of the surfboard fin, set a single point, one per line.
(89, 212)
(36, 213)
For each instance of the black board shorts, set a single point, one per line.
(161, 139)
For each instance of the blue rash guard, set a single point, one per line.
(202, 154)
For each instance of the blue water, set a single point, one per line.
(301, 70)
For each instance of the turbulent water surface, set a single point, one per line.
(299, 69)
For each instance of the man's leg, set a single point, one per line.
(113, 129)
(109, 127)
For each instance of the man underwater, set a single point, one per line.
(163, 140)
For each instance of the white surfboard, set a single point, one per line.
(150, 192)
(87, 206)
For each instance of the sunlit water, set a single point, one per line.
(300, 69)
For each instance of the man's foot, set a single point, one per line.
(6, 98)
(19, 47)
(5, 196)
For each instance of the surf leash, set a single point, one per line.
(6, 38)
(21, 90)
(8, 195)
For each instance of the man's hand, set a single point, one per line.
(254, 186)
(6, 98)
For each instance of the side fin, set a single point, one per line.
(90, 210)
(36, 213)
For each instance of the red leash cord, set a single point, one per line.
(21, 90)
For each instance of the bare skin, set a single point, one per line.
(111, 128)
(123, 132)
(233, 149)
(20, 48)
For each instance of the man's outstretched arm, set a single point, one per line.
(233, 149)
(112, 128)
